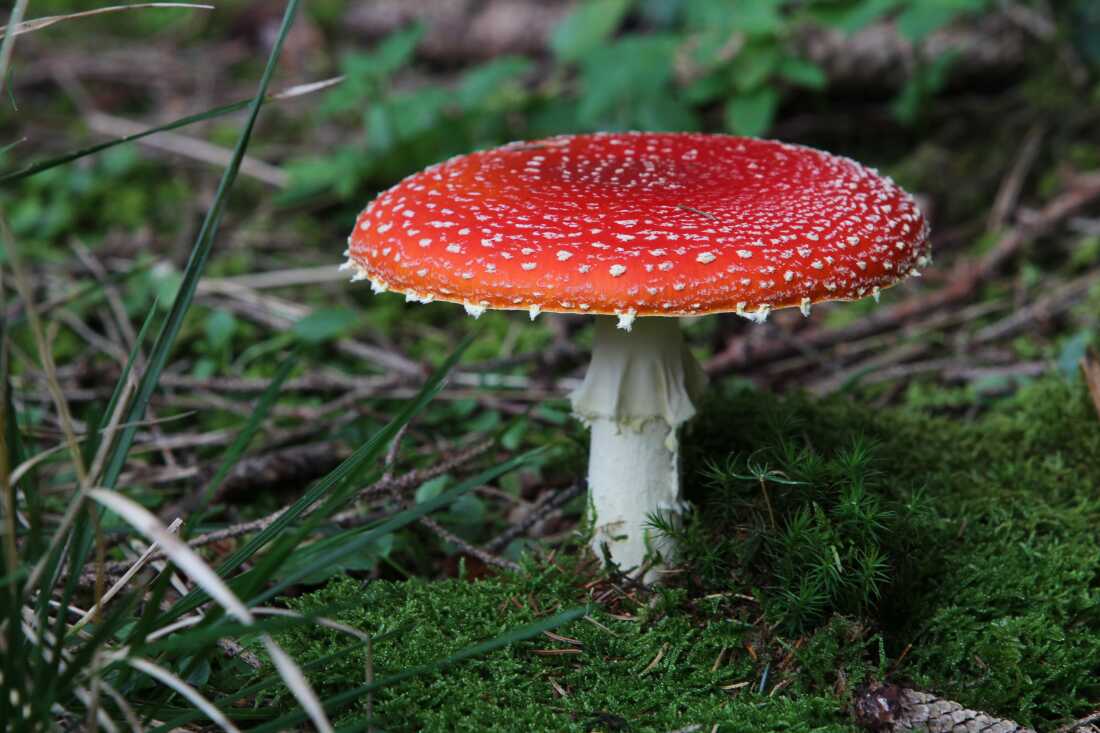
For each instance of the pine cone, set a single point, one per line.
(892, 708)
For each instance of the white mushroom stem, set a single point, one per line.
(639, 389)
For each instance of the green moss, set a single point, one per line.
(659, 671)
(998, 592)
(989, 590)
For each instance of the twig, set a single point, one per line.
(188, 147)
(1009, 192)
(298, 464)
(957, 370)
(283, 278)
(903, 352)
(1056, 301)
(486, 557)
(135, 567)
(281, 314)
(110, 291)
(97, 342)
(847, 353)
(537, 514)
(233, 649)
(114, 301)
(387, 480)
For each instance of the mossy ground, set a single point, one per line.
(985, 586)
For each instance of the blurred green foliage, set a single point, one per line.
(407, 127)
(719, 65)
(97, 195)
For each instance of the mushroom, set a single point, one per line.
(637, 229)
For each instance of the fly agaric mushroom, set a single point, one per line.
(644, 226)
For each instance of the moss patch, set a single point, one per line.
(663, 669)
(995, 580)
(987, 587)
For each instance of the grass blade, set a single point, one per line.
(78, 662)
(244, 438)
(10, 456)
(227, 702)
(184, 558)
(296, 681)
(16, 17)
(187, 560)
(92, 446)
(44, 165)
(195, 266)
(369, 450)
(37, 24)
(394, 523)
(193, 696)
(48, 565)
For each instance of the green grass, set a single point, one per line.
(994, 580)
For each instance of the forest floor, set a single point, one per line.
(902, 492)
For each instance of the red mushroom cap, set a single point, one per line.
(641, 223)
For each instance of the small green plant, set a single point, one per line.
(820, 532)
(740, 57)
(107, 193)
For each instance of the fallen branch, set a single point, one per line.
(297, 464)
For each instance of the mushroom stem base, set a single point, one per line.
(633, 475)
(639, 389)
